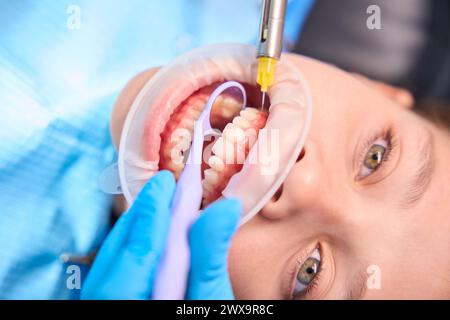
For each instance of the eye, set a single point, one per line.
(373, 158)
(307, 273)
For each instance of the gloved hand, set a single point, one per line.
(125, 267)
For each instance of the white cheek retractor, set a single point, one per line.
(269, 160)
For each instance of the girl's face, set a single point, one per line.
(364, 213)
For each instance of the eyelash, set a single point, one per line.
(386, 134)
(313, 285)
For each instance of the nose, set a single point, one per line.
(303, 186)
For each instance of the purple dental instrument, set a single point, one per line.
(173, 269)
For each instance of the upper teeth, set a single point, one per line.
(188, 124)
(198, 102)
(241, 122)
(249, 113)
(227, 113)
(224, 150)
(211, 176)
(216, 163)
(218, 101)
(194, 113)
(233, 133)
(231, 103)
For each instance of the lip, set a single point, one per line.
(290, 115)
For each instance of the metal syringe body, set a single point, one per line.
(270, 41)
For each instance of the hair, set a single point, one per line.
(438, 113)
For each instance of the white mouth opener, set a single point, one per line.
(171, 279)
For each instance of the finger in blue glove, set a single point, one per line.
(126, 264)
(209, 240)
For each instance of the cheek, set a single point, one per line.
(240, 266)
(124, 101)
(253, 265)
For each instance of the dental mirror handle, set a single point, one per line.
(173, 270)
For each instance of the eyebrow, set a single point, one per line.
(422, 177)
(415, 190)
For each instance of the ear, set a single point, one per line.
(119, 114)
(400, 95)
(124, 102)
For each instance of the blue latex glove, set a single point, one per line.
(126, 265)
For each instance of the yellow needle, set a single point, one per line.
(263, 100)
(266, 73)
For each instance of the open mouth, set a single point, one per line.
(173, 99)
(223, 156)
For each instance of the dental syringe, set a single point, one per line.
(270, 42)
